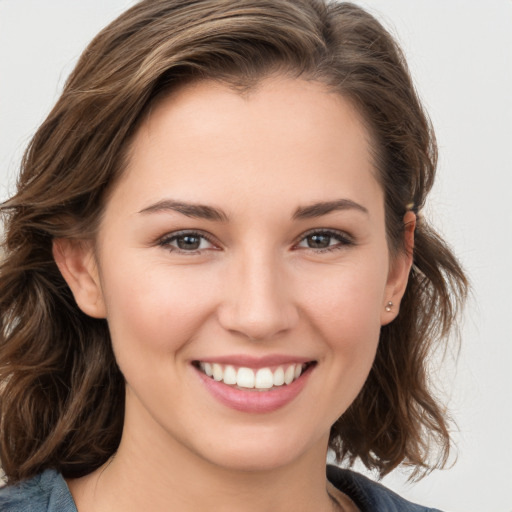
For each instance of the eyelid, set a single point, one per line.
(165, 240)
(343, 237)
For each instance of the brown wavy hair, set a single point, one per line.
(61, 392)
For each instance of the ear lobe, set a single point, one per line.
(399, 272)
(77, 264)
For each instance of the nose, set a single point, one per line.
(258, 302)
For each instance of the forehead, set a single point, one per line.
(197, 109)
(289, 136)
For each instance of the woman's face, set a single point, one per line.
(246, 238)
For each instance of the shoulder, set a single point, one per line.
(369, 495)
(46, 492)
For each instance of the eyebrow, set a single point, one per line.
(201, 211)
(323, 208)
(196, 211)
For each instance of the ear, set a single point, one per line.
(77, 264)
(399, 271)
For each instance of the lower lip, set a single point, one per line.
(254, 401)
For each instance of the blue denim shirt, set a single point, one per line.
(48, 492)
(370, 496)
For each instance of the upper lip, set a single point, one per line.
(256, 362)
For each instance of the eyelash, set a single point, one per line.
(168, 239)
(343, 239)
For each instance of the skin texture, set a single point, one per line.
(253, 287)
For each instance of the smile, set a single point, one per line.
(248, 378)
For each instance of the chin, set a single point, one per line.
(263, 451)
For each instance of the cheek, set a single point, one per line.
(153, 309)
(344, 313)
(346, 302)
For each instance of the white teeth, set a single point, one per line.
(207, 368)
(279, 377)
(245, 378)
(229, 375)
(218, 374)
(264, 378)
(289, 374)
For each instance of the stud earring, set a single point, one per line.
(389, 305)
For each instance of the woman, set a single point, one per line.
(215, 269)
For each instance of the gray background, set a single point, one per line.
(460, 54)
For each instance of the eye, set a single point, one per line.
(187, 241)
(325, 240)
